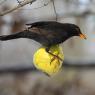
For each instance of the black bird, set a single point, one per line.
(47, 33)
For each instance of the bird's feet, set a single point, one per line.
(55, 57)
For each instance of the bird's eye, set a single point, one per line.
(77, 29)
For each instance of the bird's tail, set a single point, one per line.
(8, 37)
(23, 34)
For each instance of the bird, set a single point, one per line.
(47, 33)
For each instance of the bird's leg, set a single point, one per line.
(55, 56)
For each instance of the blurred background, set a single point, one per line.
(17, 73)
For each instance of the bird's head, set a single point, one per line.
(77, 32)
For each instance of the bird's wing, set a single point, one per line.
(44, 32)
(45, 28)
(42, 24)
(37, 24)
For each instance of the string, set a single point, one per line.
(56, 16)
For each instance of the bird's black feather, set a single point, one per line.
(47, 32)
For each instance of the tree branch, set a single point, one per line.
(17, 7)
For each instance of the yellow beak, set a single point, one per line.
(82, 36)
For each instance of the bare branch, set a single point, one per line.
(17, 7)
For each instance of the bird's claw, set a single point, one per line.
(55, 57)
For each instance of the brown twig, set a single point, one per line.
(17, 7)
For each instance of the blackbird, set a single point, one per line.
(47, 33)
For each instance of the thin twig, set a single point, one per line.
(44, 5)
(17, 7)
(18, 1)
